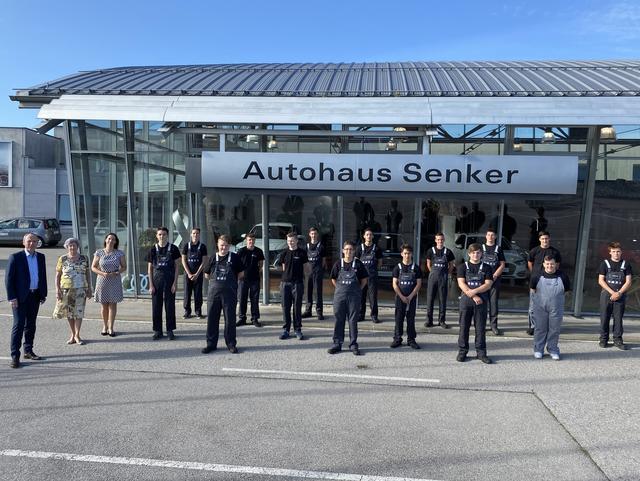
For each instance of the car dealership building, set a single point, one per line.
(407, 149)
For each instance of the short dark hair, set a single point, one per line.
(368, 229)
(250, 235)
(491, 229)
(117, 243)
(550, 257)
(291, 234)
(313, 228)
(406, 247)
(543, 232)
(439, 234)
(196, 229)
(166, 229)
(348, 243)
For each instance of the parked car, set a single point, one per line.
(515, 256)
(277, 238)
(12, 231)
(390, 245)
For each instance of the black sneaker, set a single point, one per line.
(256, 323)
(356, 351)
(299, 335)
(461, 357)
(396, 343)
(15, 363)
(413, 344)
(241, 322)
(530, 331)
(31, 355)
(335, 349)
(208, 349)
(199, 315)
(496, 331)
(186, 315)
(603, 344)
(428, 324)
(306, 314)
(284, 335)
(485, 359)
(171, 336)
(375, 320)
(156, 335)
(233, 349)
(620, 345)
(444, 325)
(320, 316)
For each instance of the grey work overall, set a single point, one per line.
(615, 279)
(548, 309)
(406, 283)
(346, 304)
(222, 297)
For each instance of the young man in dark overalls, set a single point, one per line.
(474, 280)
(370, 254)
(252, 258)
(348, 276)
(162, 269)
(493, 256)
(316, 254)
(407, 281)
(293, 260)
(440, 263)
(223, 271)
(194, 256)
(614, 276)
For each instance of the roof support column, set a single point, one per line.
(588, 193)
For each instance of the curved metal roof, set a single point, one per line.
(381, 79)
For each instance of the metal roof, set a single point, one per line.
(380, 79)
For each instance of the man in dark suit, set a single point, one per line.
(26, 282)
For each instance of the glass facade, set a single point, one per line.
(129, 178)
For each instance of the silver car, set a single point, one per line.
(12, 231)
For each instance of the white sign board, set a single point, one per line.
(511, 174)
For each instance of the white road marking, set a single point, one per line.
(331, 374)
(223, 468)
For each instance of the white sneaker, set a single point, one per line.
(537, 355)
(555, 356)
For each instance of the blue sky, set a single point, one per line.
(42, 41)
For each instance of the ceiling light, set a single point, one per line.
(548, 137)
(607, 135)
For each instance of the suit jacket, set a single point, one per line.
(18, 280)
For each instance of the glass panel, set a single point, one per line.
(96, 135)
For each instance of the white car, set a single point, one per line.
(515, 256)
(277, 238)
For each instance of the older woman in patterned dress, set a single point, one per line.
(108, 264)
(73, 286)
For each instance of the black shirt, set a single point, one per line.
(194, 252)
(487, 273)
(361, 270)
(251, 261)
(406, 268)
(617, 284)
(536, 277)
(537, 255)
(488, 253)
(163, 251)
(319, 255)
(294, 261)
(236, 263)
(431, 255)
(364, 250)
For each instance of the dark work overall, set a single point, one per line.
(491, 259)
(406, 283)
(470, 311)
(346, 304)
(314, 281)
(437, 282)
(548, 311)
(370, 290)
(194, 261)
(222, 297)
(164, 269)
(615, 280)
(250, 290)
